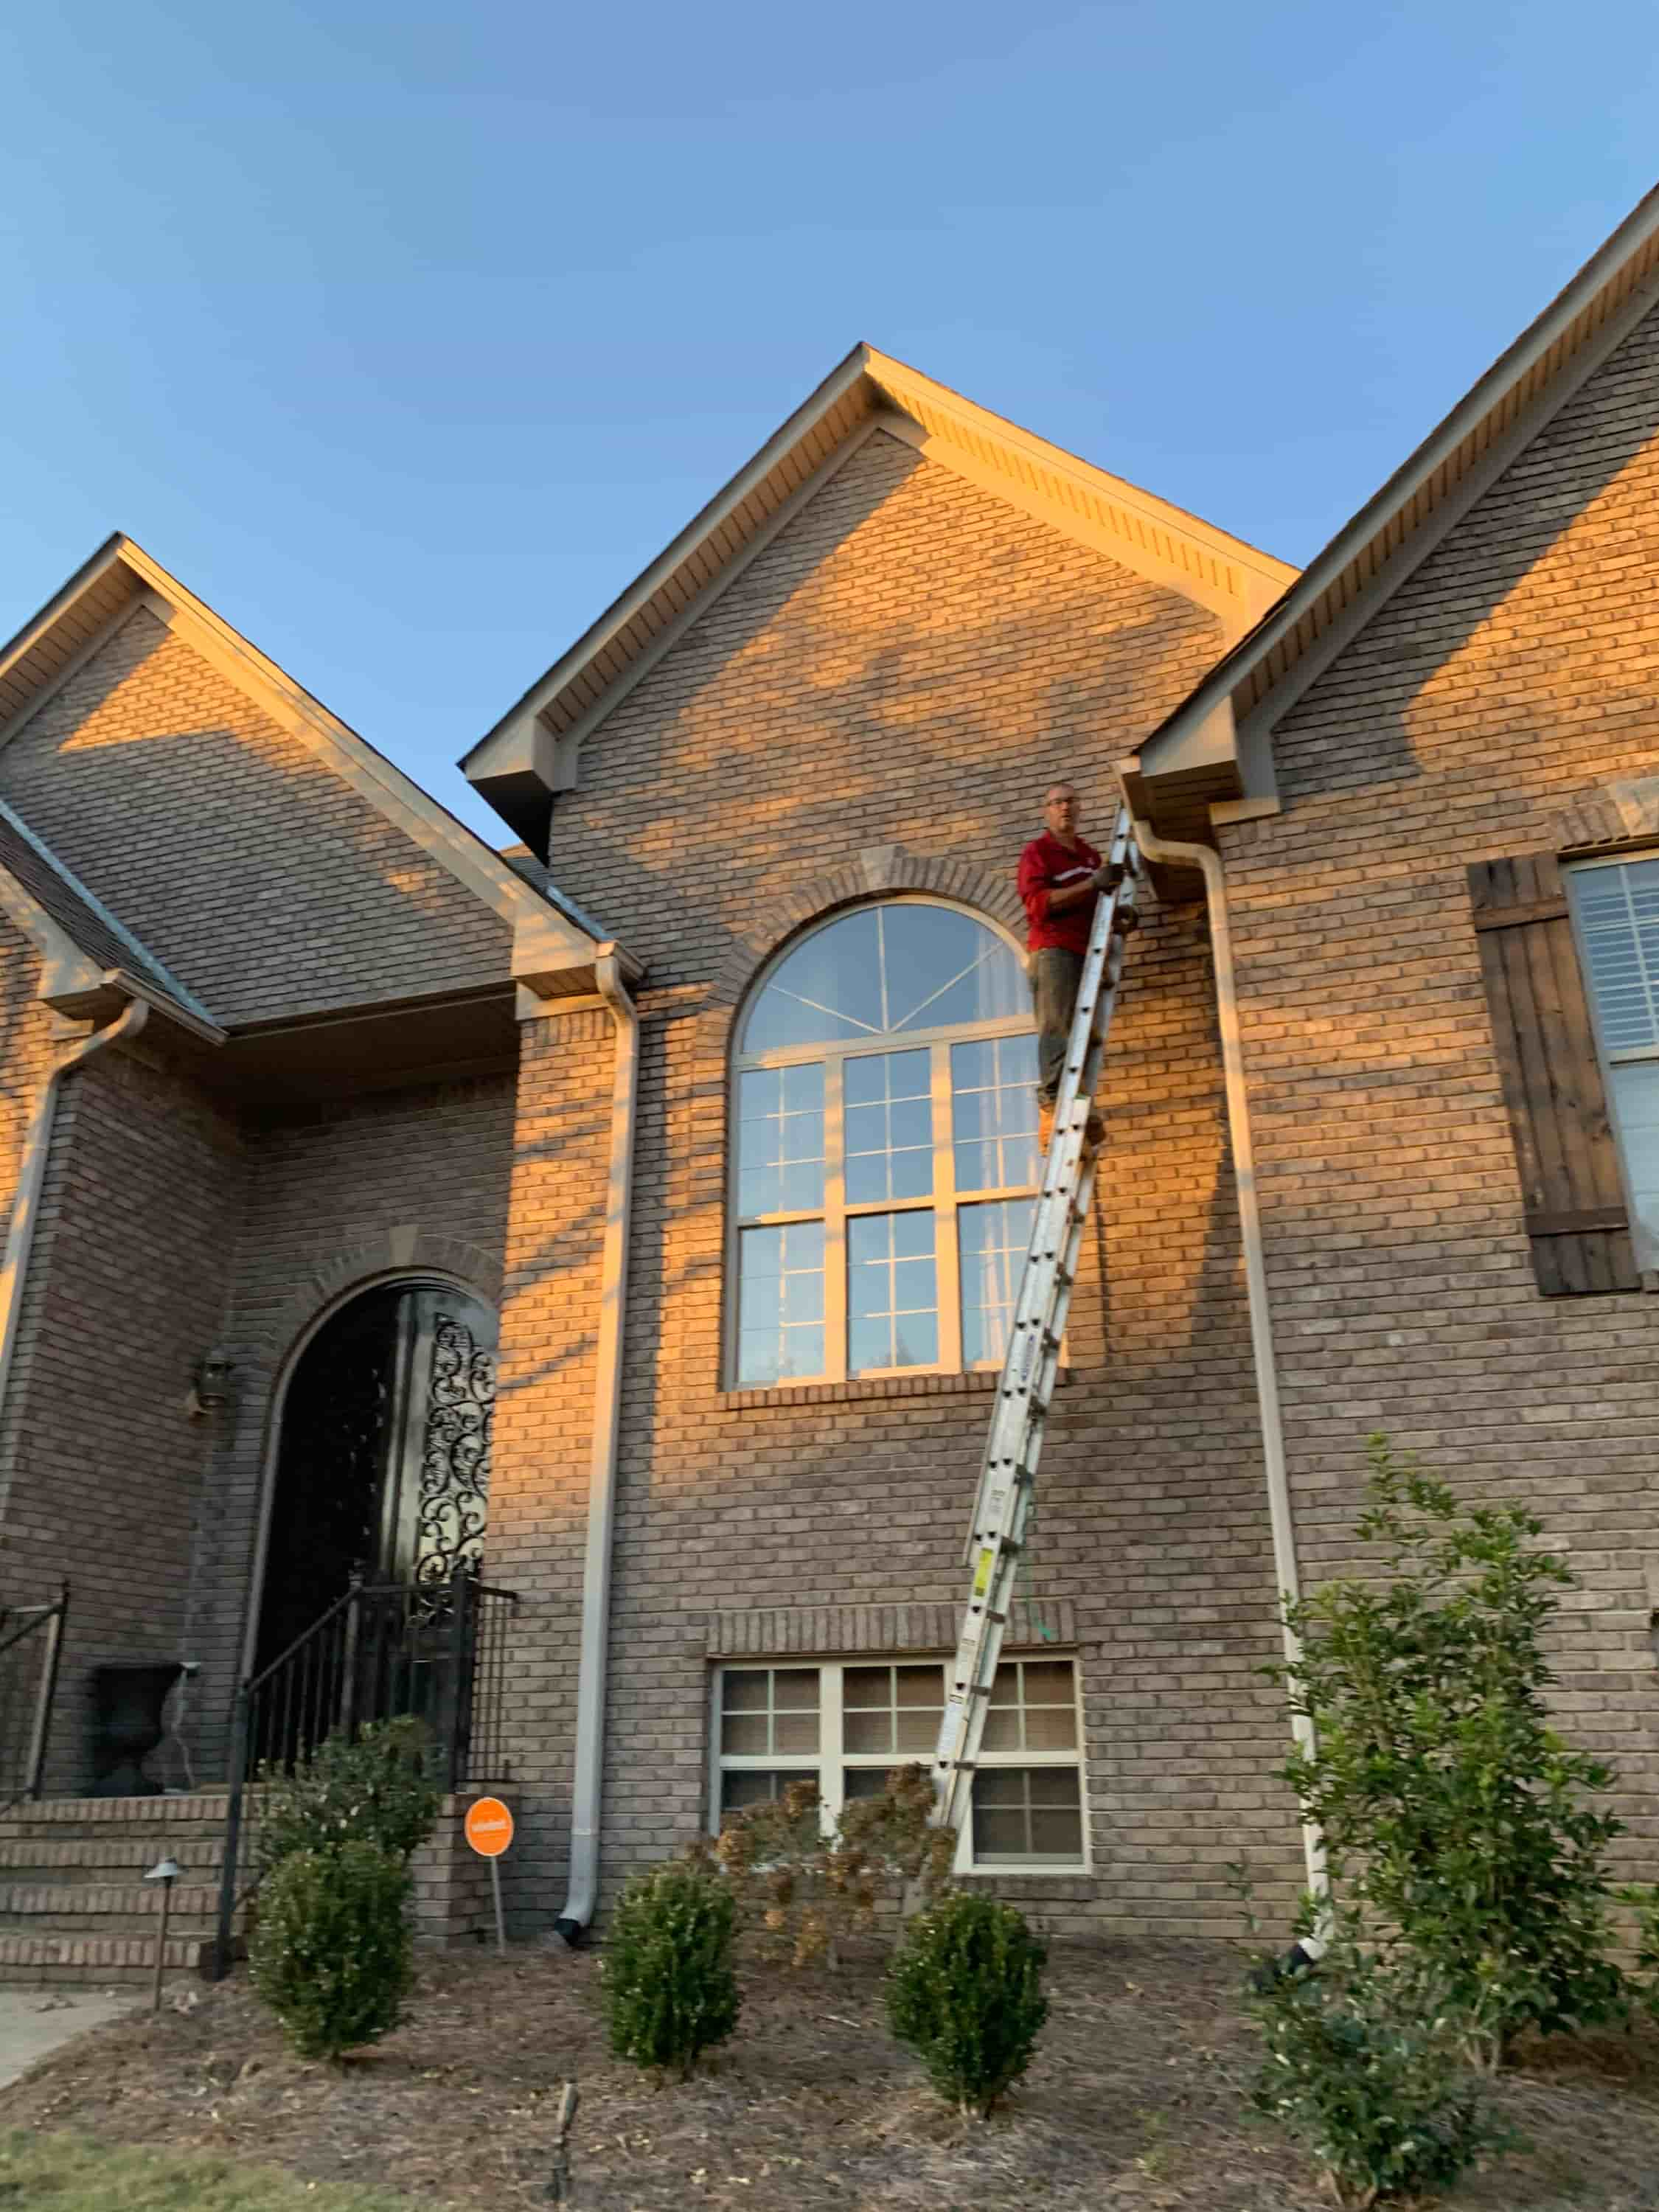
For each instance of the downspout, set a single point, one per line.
(602, 1478)
(31, 1176)
(1280, 1514)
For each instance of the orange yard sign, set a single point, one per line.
(489, 1827)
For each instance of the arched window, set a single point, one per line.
(885, 1162)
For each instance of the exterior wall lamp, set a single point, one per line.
(212, 1386)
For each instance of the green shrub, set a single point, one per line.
(1454, 1814)
(377, 1787)
(669, 1992)
(332, 1954)
(965, 1993)
(1365, 2069)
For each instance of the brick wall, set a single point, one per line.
(101, 1465)
(263, 879)
(906, 664)
(1515, 670)
(393, 1182)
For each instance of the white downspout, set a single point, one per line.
(31, 1176)
(584, 1796)
(1256, 1282)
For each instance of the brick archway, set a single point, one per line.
(878, 870)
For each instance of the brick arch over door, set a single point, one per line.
(407, 1249)
(880, 871)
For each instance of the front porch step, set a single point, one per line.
(74, 1906)
(87, 1908)
(97, 1961)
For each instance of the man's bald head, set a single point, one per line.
(1060, 810)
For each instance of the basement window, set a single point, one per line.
(844, 1724)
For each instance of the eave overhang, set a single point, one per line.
(531, 755)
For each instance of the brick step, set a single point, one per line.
(96, 1961)
(111, 1858)
(93, 1903)
(88, 1818)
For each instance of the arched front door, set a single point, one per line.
(383, 1458)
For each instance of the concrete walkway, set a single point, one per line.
(33, 2022)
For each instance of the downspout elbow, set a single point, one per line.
(594, 1647)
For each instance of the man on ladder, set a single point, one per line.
(1060, 877)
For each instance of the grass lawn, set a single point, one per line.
(1137, 2102)
(66, 2173)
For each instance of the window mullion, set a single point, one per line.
(829, 1744)
(946, 1258)
(835, 1223)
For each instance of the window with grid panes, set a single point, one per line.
(885, 1157)
(844, 1724)
(1615, 912)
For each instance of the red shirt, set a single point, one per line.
(1048, 865)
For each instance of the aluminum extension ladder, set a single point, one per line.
(1002, 1505)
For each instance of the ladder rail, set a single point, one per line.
(1002, 1504)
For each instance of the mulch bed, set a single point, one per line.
(1136, 2102)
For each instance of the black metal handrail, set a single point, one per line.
(434, 1650)
(31, 1636)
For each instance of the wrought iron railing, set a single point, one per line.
(31, 1646)
(436, 1651)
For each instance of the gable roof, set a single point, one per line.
(554, 949)
(530, 754)
(1214, 749)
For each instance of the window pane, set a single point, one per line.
(992, 1086)
(865, 1686)
(1028, 1813)
(1002, 1731)
(758, 1787)
(745, 1735)
(780, 1140)
(1047, 1681)
(830, 987)
(892, 1296)
(1634, 1086)
(863, 1781)
(995, 1241)
(780, 1302)
(795, 1732)
(1617, 911)
(795, 1689)
(942, 967)
(923, 1686)
(868, 1732)
(889, 1127)
(743, 1690)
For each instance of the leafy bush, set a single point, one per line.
(1364, 2067)
(669, 1992)
(965, 1993)
(1453, 1812)
(331, 1955)
(804, 1889)
(377, 1787)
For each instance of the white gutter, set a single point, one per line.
(32, 1175)
(1256, 1282)
(589, 1777)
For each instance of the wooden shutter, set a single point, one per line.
(1576, 1216)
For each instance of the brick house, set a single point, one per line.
(724, 1145)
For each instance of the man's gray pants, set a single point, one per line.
(1055, 976)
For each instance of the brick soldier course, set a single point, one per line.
(377, 1053)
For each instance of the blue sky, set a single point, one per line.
(407, 334)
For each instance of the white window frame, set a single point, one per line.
(945, 1201)
(827, 1767)
(1644, 1240)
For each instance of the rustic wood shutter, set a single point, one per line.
(1576, 1216)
